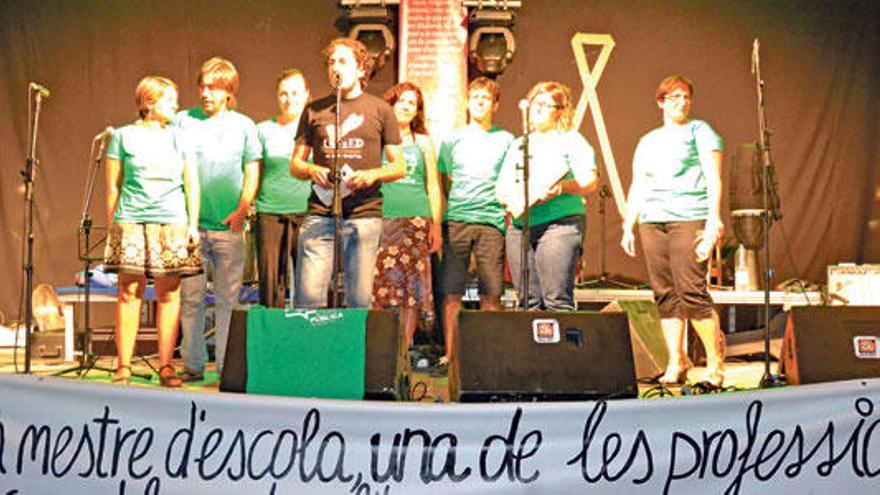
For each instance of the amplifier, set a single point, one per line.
(854, 285)
(104, 341)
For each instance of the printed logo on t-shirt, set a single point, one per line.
(351, 123)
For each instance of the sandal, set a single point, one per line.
(674, 375)
(120, 377)
(714, 376)
(169, 381)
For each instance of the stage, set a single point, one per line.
(75, 436)
(86, 435)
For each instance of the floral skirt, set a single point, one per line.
(403, 266)
(151, 249)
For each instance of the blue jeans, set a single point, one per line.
(554, 249)
(360, 246)
(224, 252)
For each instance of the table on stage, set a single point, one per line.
(70, 296)
(721, 297)
(750, 302)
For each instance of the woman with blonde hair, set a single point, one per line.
(153, 211)
(562, 170)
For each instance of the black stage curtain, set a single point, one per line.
(819, 61)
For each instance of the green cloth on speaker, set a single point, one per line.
(307, 353)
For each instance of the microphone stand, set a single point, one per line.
(88, 360)
(28, 176)
(771, 209)
(525, 242)
(603, 280)
(338, 276)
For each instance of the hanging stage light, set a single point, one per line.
(371, 23)
(492, 44)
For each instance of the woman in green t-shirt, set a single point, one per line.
(282, 199)
(153, 211)
(562, 170)
(412, 212)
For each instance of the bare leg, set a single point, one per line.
(673, 334)
(128, 315)
(451, 307)
(410, 319)
(709, 331)
(167, 316)
(489, 303)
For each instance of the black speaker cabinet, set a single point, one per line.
(829, 343)
(384, 376)
(104, 341)
(515, 356)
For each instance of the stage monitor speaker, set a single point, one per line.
(384, 377)
(514, 356)
(649, 347)
(825, 343)
(104, 341)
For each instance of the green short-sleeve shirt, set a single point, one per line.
(674, 186)
(221, 146)
(152, 174)
(471, 158)
(280, 193)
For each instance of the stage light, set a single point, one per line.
(492, 44)
(370, 23)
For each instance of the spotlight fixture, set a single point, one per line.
(492, 44)
(370, 23)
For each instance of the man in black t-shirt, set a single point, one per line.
(367, 127)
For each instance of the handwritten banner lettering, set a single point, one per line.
(62, 436)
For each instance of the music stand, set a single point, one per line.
(603, 280)
(88, 359)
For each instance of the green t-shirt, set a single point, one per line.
(152, 174)
(280, 193)
(472, 158)
(547, 151)
(673, 186)
(221, 146)
(407, 196)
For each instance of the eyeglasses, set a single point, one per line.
(543, 105)
(677, 96)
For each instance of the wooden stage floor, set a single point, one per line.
(428, 385)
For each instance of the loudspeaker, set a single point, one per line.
(48, 344)
(649, 347)
(513, 356)
(825, 343)
(104, 341)
(384, 375)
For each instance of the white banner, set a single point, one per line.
(63, 436)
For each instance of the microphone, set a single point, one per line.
(756, 47)
(38, 88)
(336, 80)
(104, 134)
